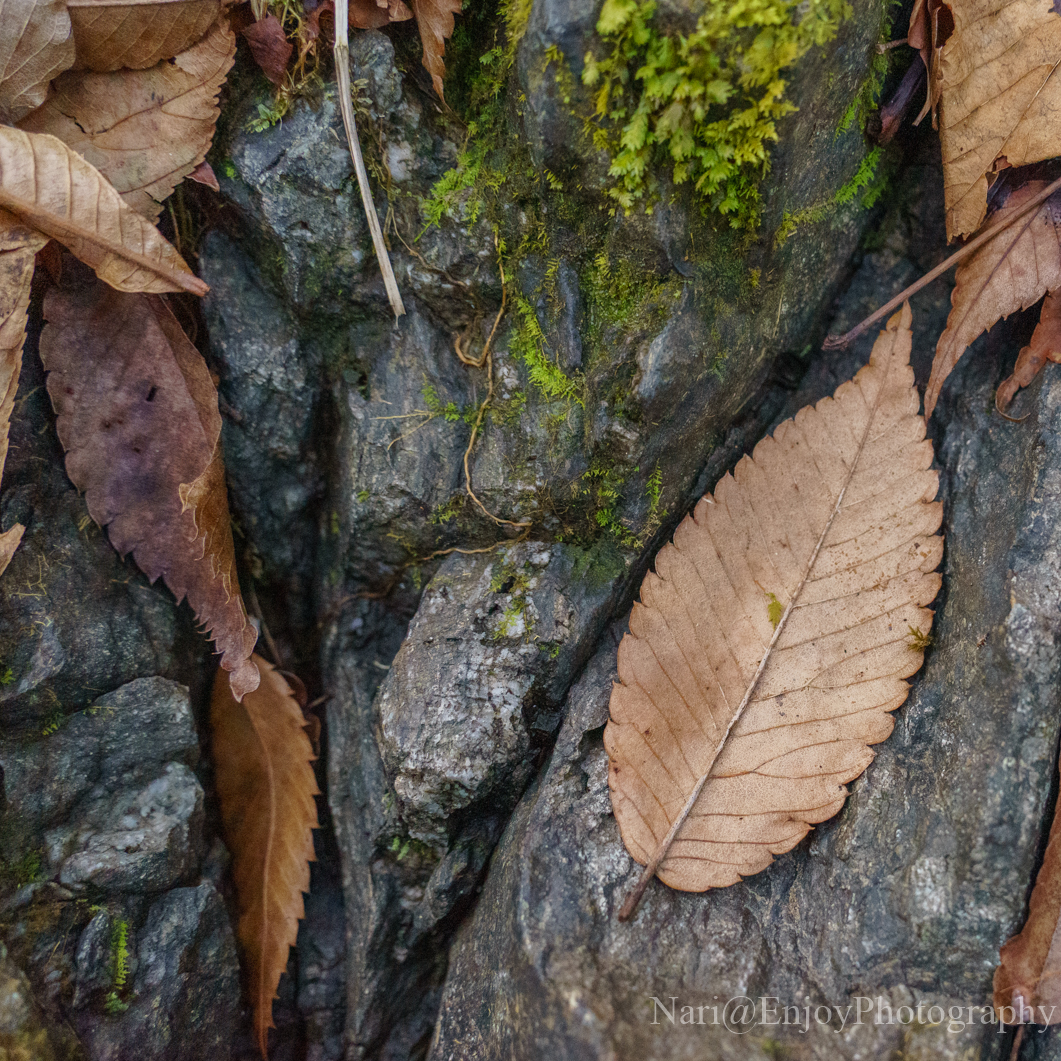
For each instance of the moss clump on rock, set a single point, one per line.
(707, 103)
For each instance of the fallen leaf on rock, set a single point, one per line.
(265, 786)
(55, 191)
(1010, 272)
(137, 416)
(36, 45)
(1045, 346)
(434, 18)
(144, 130)
(18, 246)
(731, 736)
(137, 33)
(1028, 978)
(999, 98)
(269, 46)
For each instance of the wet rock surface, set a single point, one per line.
(903, 899)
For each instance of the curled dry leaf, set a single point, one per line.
(18, 245)
(137, 34)
(1010, 272)
(1000, 98)
(774, 638)
(434, 19)
(269, 46)
(137, 416)
(204, 174)
(144, 130)
(265, 786)
(1045, 346)
(1028, 978)
(36, 45)
(55, 191)
(931, 25)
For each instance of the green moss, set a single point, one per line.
(119, 967)
(528, 342)
(706, 104)
(871, 180)
(7, 675)
(26, 869)
(774, 609)
(598, 564)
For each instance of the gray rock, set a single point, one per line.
(141, 840)
(475, 687)
(183, 999)
(904, 898)
(92, 959)
(25, 1032)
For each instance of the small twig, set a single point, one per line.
(834, 342)
(489, 361)
(887, 47)
(256, 610)
(342, 70)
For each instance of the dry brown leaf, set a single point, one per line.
(1028, 978)
(204, 174)
(269, 46)
(55, 191)
(137, 416)
(1000, 98)
(931, 25)
(18, 245)
(144, 130)
(35, 45)
(374, 14)
(1010, 272)
(772, 641)
(137, 34)
(1045, 346)
(435, 21)
(265, 786)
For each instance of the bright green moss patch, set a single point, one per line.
(528, 342)
(706, 104)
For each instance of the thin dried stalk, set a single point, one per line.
(342, 69)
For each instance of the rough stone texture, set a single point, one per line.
(907, 894)
(184, 996)
(25, 1033)
(109, 798)
(476, 684)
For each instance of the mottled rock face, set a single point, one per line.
(903, 899)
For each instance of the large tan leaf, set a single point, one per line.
(434, 19)
(265, 786)
(1000, 98)
(54, 190)
(111, 34)
(35, 46)
(144, 130)
(751, 729)
(1028, 979)
(1010, 272)
(137, 416)
(18, 245)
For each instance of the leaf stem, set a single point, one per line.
(834, 342)
(342, 70)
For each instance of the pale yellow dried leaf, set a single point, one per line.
(35, 45)
(1000, 98)
(834, 516)
(1010, 272)
(144, 130)
(54, 190)
(18, 245)
(137, 34)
